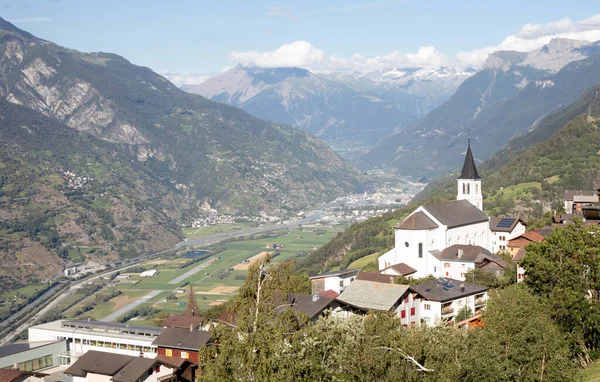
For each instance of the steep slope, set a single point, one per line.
(526, 179)
(216, 155)
(502, 100)
(65, 195)
(347, 110)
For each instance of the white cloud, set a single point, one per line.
(184, 78)
(277, 12)
(304, 54)
(298, 53)
(29, 20)
(534, 36)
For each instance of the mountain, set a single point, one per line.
(505, 98)
(526, 179)
(351, 111)
(105, 157)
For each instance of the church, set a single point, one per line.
(446, 239)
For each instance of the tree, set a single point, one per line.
(159, 318)
(564, 271)
(519, 342)
(463, 313)
(191, 308)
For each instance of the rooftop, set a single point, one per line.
(504, 224)
(456, 213)
(417, 221)
(103, 329)
(19, 348)
(312, 306)
(134, 370)
(9, 375)
(403, 269)
(340, 273)
(446, 289)
(98, 362)
(376, 277)
(180, 338)
(183, 321)
(464, 253)
(469, 170)
(369, 295)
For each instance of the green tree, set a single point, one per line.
(463, 313)
(564, 271)
(191, 308)
(519, 342)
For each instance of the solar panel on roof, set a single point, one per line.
(505, 222)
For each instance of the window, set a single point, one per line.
(434, 269)
(185, 354)
(412, 311)
(446, 265)
(476, 188)
(447, 274)
(157, 370)
(420, 250)
(427, 319)
(426, 306)
(406, 244)
(406, 299)
(169, 353)
(403, 314)
(341, 283)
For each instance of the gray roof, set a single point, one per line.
(98, 362)
(19, 348)
(179, 338)
(335, 273)
(417, 221)
(469, 171)
(494, 220)
(304, 303)
(463, 252)
(369, 295)
(456, 213)
(446, 289)
(570, 194)
(135, 369)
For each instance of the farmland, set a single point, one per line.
(219, 277)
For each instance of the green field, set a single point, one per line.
(364, 261)
(216, 275)
(592, 372)
(195, 233)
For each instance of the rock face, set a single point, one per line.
(507, 97)
(119, 157)
(347, 110)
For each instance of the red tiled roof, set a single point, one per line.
(329, 293)
(183, 321)
(172, 361)
(534, 236)
(8, 375)
(526, 238)
(417, 221)
(403, 269)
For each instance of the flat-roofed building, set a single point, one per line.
(85, 335)
(32, 356)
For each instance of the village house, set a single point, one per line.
(96, 366)
(181, 343)
(399, 270)
(521, 241)
(441, 299)
(504, 229)
(574, 200)
(33, 356)
(336, 281)
(456, 260)
(363, 296)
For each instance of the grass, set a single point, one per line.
(512, 191)
(194, 233)
(592, 372)
(363, 261)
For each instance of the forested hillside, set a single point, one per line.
(527, 178)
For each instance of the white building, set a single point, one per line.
(336, 281)
(423, 238)
(442, 299)
(503, 229)
(433, 228)
(149, 273)
(83, 336)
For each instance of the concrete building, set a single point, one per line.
(33, 356)
(336, 281)
(442, 299)
(85, 335)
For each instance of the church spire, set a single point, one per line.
(469, 171)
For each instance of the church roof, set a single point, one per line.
(469, 171)
(456, 213)
(417, 221)
(465, 253)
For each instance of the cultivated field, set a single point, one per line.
(217, 282)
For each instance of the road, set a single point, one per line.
(209, 240)
(118, 313)
(193, 271)
(46, 295)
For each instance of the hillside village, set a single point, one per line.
(422, 282)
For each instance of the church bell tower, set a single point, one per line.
(469, 182)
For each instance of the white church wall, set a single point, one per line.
(473, 234)
(411, 247)
(387, 259)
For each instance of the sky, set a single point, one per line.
(188, 41)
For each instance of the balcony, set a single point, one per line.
(479, 301)
(446, 310)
